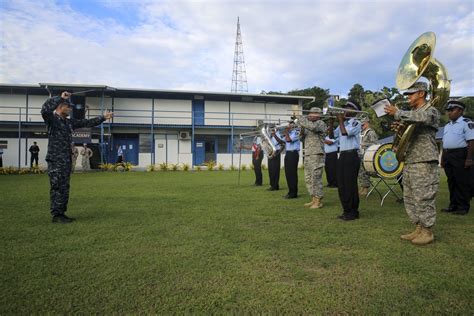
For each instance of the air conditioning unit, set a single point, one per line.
(184, 135)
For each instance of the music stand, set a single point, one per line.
(390, 184)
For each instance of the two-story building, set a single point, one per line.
(152, 126)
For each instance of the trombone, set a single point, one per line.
(334, 111)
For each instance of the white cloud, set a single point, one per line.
(190, 44)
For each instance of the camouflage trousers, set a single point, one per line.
(86, 164)
(364, 178)
(59, 175)
(420, 186)
(313, 174)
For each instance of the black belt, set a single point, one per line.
(349, 151)
(454, 150)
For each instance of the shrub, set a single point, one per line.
(37, 170)
(185, 167)
(243, 167)
(174, 167)
(128, 166)
(264, 166)
(151, 168)
(221, 166)
(233, 168)
(211, 164)
(163, 166)
(198, 168)
(107, 167)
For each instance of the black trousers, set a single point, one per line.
(348, 166)
(330, 167)
(34, 157)
(257, 168)
(291, 172)
(59, 173)
(274, 165)
(459, 179)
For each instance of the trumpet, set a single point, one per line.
(360, 115)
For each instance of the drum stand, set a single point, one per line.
(390, 184)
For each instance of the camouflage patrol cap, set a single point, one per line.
(315, 110)
(417, 86)
(364, 120)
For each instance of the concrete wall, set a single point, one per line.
(173, 112)
(256, 111)
(11, 100)
(94, 106)
(10, 155)
(278, 112)
(221, 118)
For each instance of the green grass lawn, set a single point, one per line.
(168, 242)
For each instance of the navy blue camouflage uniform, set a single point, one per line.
(59, 151)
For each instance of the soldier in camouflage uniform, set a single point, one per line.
(86, 156)
(313, 133)
(368, 137)
(421, 172)
(75, 154)
(55, 112)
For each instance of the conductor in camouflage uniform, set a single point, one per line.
(55, 112)
(421, 171)
(313, 133)
(368, 137)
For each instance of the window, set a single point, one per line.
(145, 143)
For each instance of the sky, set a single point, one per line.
(189, 45)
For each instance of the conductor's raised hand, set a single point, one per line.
(65, 95)
(108, 115)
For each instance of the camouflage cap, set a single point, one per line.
(364, 120)
(315, 110)
(417, 86)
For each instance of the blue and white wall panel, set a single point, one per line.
(175, 112)
(247, 113)
(9, 107)
(94, 106)
(216, 113)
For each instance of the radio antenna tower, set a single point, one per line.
(239, 76)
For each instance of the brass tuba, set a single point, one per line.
(418, 61)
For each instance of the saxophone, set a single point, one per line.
(418, 62)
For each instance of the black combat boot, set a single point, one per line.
(61, 219)
(69, 218)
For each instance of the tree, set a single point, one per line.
(320, 95)
(357, 93)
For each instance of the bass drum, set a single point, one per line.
(379, 159)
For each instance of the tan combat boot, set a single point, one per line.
(310, 203)
(425, 237)
(317, 204)
(363, 191)
(413, 234)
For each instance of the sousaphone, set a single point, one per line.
(418, 62)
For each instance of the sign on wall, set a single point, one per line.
(81, 135)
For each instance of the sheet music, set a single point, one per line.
(379, 106)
